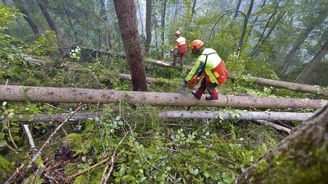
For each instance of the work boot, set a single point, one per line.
(196, 94)
(211, 97)
(214, 94)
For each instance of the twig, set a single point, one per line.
(50, 137)
(15, 173)
(63, 129)
(9, 132)
(29, 136)
(35, 156)
(106, 176)
(12, 149)
(97, 119)
(87, 169)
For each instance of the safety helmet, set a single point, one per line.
(196, 46)
(177, 33)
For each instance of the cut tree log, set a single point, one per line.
(241, 115)
(75, 95)
(289, 85)
(92, 116)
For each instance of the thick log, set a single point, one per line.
(241, 115)
(76, 95)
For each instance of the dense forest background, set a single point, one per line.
(76, 43)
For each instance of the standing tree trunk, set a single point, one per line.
(35, 28)
(236, 10)
(300, 158)
(268, 34)
(244, 27)
(104, 18)
(302, 37)
(193, 9)
(163, 26)
(148, 25)
(256, 18)
(126, 14)
(264, 30)
(140, 17)
(51, 23)
(304, 76)
(70, 22)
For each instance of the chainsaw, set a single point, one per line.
(191, 84)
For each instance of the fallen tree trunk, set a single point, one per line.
(128, 77)
(241, 115)
(289, 85)
(76, 95)
(92, 115)
(165, 64)
(79, 116)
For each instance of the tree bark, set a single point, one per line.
(126, 14)
(237, 9)
(296, 157)
(241, 115)
(163, 26)
(35, 28)
(304, 76)
(148, 25)
(244, 27)
(76, 95)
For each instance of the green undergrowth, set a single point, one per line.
(148, 149)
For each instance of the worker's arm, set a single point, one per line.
(196, 69)
(176, 44)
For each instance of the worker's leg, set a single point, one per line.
(175, 56)
(198, 94)
(181, 60)
(214, 94)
